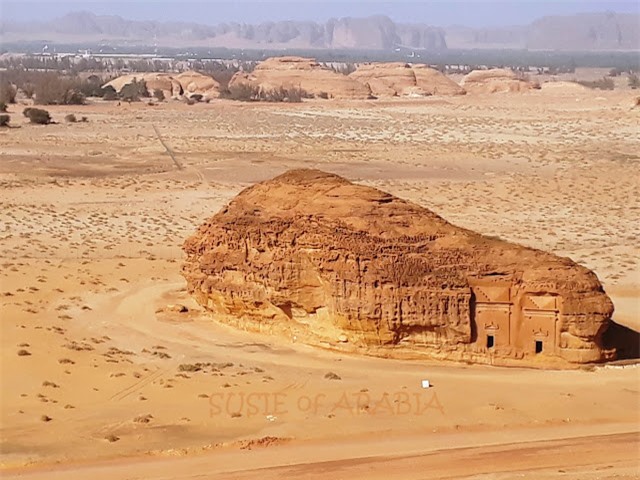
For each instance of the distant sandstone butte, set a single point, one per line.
(404, 79)
(304, 73)
(314, 257)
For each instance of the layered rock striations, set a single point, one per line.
(314, 257)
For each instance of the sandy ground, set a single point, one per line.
(103, 378)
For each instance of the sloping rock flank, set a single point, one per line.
(304, 73)
(313, 257)
(403, 79)
(496, 80)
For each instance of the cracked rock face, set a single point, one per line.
(315, 258)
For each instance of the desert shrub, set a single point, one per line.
(7, 92)
(4, 120)
(274, 95)
(3, 107)
(52, 89)
(37, 115)
(142, 88)
(70, 118)
(91, 86)
(243, 92)
(109, 93)
(189, 101)
(634, 81)
(323, 95)
(250, 93)
(605, 83)
(84, 119)
(159, 95)
(29, 89)
(132, 92)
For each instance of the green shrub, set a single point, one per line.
(3, 107)
(4, 120)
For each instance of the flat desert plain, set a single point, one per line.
(104, 377)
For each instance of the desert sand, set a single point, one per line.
(110, 369)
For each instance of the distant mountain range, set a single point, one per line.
(582, 32)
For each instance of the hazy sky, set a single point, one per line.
(441, 13)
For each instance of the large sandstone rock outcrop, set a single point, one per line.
(194, 83)
(311, 256)
(403, 79)
(155, 81)
(304, 73)
(496, 80)
(172, 85)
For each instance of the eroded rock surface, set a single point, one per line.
(316, 258)
(403, 79)
(172, 85)
(303, 73)
(496, 80)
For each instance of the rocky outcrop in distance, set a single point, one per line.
(304, 73)
(173, 85)
(404, 79)
(315, 258)
(581, 32)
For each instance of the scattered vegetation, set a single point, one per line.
(332, 376)
(70, 118)
(109, 93)
(4, 120)
(7, 92)
(634, 81)
(246, 92)
(3, 107)
(132, 92)
(605, 83)
(23, 353)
